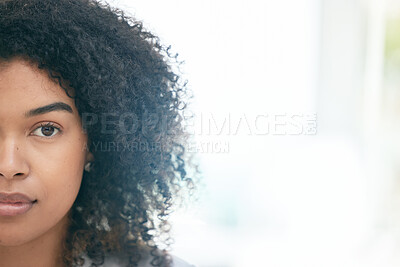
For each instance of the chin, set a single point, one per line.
(15, 237)
(12, 241)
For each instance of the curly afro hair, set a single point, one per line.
(130, 98)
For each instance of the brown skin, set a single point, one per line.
(43, 163)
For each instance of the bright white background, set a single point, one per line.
(298, 168)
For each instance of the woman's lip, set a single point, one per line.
(12, 204)
(15, 197)
(13, 209)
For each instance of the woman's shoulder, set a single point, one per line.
(114, 260)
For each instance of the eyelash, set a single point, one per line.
(48, 124)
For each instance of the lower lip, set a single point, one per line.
(13, 209)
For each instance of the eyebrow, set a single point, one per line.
(57, 106)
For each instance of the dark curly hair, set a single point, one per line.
(130, 96)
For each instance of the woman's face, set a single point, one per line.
(42, 152)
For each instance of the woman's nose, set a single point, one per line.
(12, 162)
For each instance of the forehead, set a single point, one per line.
(24, 86)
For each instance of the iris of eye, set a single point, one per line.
(47, 130)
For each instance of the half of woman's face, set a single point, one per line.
(42, 152)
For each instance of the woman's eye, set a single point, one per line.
(46, 130)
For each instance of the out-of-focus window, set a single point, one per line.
(296, 129)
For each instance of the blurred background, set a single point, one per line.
(297, 106)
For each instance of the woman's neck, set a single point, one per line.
(46, 250)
